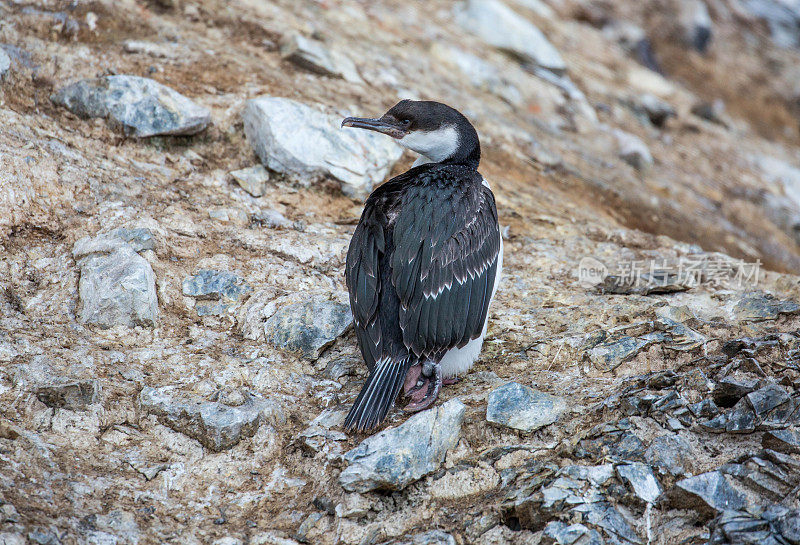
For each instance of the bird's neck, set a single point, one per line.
(446, 145)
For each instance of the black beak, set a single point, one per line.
(377, 125)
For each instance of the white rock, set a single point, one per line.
(522, 408)
(633, 151)
(785, 175)
(499, 26)
(5, 62)
(307, 144)
(641, 479)
(117, 286)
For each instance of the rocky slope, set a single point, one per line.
(175, 352)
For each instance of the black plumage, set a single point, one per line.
(420, 271)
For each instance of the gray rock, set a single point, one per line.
(713, 111)
(522, 408)
(612, 354)
(307, 145)
(314, 56)
(557, 532)
(308, 327)
(117, 286)
(431, 537)
(11, 538)
(671, 454)
(215, 425)
(776, 525)
(633, 151)
(695, 23)
(755, 308)
(786, 176)
(5, 62)
(786, 441)
(141, 107)
(252, 179)
(481, 74)
(657, 110)
(70, 395)
(708, 493)
(728, 391)
(222, 286)
(139, 238)
(501, 27)
(271, 218)
(394, 458)
(607, 517)
(215, 285)
(782, 18)
(641, 479)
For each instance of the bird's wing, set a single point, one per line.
(446, 242)
(362, 275)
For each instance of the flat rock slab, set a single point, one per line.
(499, 26)
(117, 286)
(215, 425)
(522, 408)
(710, 493)
(141, 107)
(396, 457)
(641, 479)
(759, 307)
(306, 144)
(314, 56)
(308, 327)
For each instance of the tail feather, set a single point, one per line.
(378, 394)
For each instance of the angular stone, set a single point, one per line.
(501, 27)
(522, 408)
(641, 479)
(271, 218)
(215, 285)
(307, 145)
(141, 107)
(394, 458)
(786, 441)
(670, 453)
(607, 517)
(708, 493)
(766, 399)
(657, 110)
(728, 391)
(431, 537)
(139, 238)
(252, 179)
(117, 288)
(71, 395)
(557, 532)
(215, 425)
(633, 150)
(759, 307)
(695, 23)
(5, 63)
(308, 327)
(610, 355)
(314, 56)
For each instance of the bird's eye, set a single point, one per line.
(405, 122)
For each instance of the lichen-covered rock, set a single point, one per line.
(522, 408)
(215, 425)
(141, 107)
(306, 144)
(396, 457)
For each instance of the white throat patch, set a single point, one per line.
(436, 145)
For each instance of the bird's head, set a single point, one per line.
(432, 129)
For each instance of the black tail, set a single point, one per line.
(378, 394)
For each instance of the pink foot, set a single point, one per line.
(423, 395)
(412, 376)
